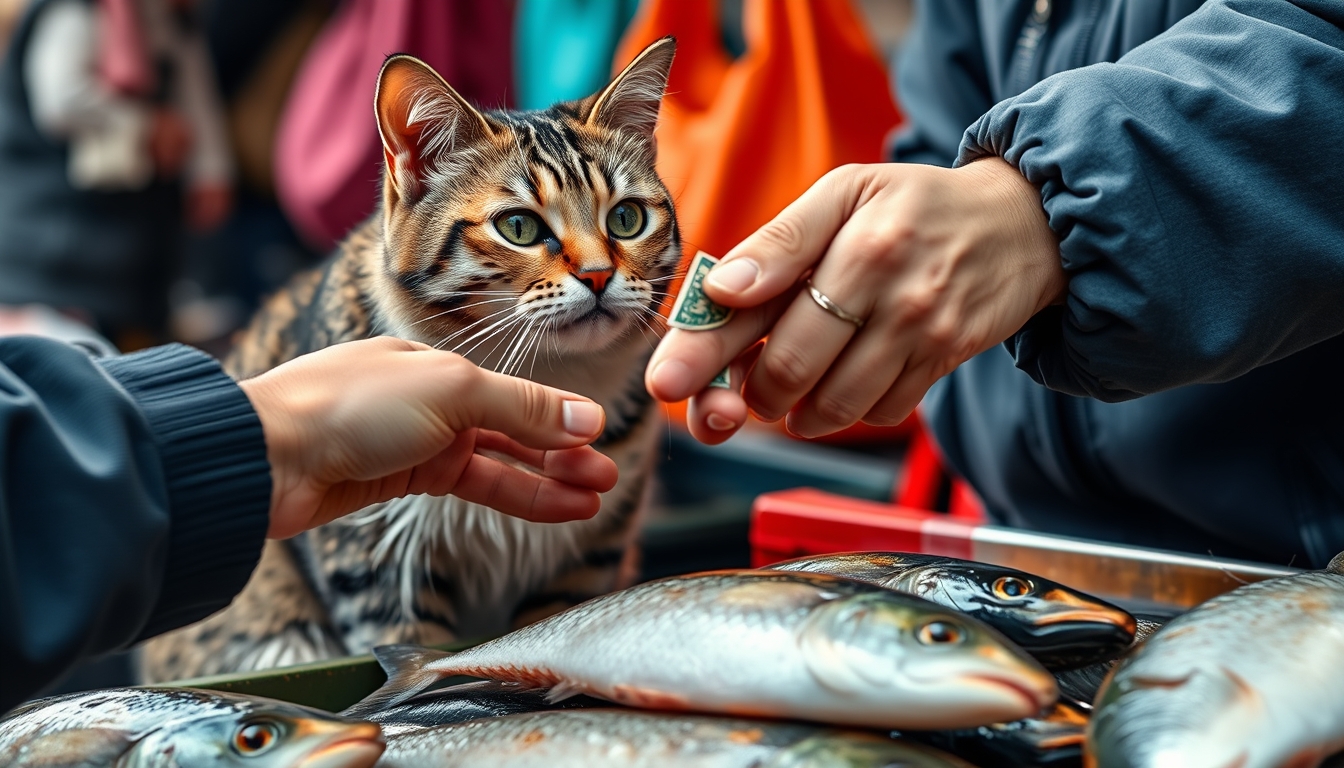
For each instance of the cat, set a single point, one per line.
(538, 244)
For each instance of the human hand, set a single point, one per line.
(208, 205)
(940, 265)
(368, 421)
(169, 142)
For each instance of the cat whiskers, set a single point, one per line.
(459, 309)
(469, 327)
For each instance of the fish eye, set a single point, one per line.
(254, 738)
(626, 219)
(940, 633)
(520, 227)
(1012, 588)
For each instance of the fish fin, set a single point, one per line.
(76, 748)
(563, 690)
(1336, 565)
(408, 673)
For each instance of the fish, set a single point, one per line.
(597, 738)
(157, 727)
(1061, 627)
(757, 643)
(1080, 686)
(1253, 678)
(460, 703)
(1055, 738)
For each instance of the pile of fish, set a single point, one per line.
(869, 659)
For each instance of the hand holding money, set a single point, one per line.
(875, 283)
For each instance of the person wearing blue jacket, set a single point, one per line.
(136, 491)
(1113, 256)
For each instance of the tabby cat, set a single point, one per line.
(534, 243)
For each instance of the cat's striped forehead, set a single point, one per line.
(542, 154)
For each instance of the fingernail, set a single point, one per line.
(735, 276)
(582, 419)
(672, 379)
(719, 423)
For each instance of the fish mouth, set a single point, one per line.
(1034, 698)
(347, 753)
(1075, 634)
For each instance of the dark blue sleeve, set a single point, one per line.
(134, 498)
(940, 81)
(1196, 189)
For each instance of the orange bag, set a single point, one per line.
(738, 140)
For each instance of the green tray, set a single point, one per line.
(329, 685)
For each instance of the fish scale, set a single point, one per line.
(627, 739)
(757, 643)
(1251, 678)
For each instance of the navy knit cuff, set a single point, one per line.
(218, 478)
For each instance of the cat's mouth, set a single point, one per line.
(595, 315)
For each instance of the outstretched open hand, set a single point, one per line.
(368, 421)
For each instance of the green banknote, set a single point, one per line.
(693, 310)
(722, 381)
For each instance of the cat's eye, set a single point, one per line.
(626, 219)
(520, 227)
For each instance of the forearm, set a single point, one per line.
(1193, 186)
(136, 497)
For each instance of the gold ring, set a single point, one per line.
(825, 303)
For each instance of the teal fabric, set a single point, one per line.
(564, 48)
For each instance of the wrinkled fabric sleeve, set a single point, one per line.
(1195, 187)
(134, 498)
(940, 81)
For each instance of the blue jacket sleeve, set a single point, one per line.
(1195, 188)
(940, 81)
(134, 498)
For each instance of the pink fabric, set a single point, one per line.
(123, 60)
(328, 160)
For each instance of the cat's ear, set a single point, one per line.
(632, 99)
(420, 118)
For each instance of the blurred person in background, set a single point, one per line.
(111, 137)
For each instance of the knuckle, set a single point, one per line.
(786, 367)
(916, 306)
(534, 407)
(782, 232)
(943, 333)
(837, 410)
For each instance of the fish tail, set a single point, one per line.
(1336, 565)
(408, 673)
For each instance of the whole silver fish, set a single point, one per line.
(1061, 627)
(1253, 678)
(160, 727)
(597, 738)
(460, 703)
(759, 643)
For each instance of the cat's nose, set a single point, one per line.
(596, 279)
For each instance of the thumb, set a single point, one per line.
(774, 257)
(533, 414)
